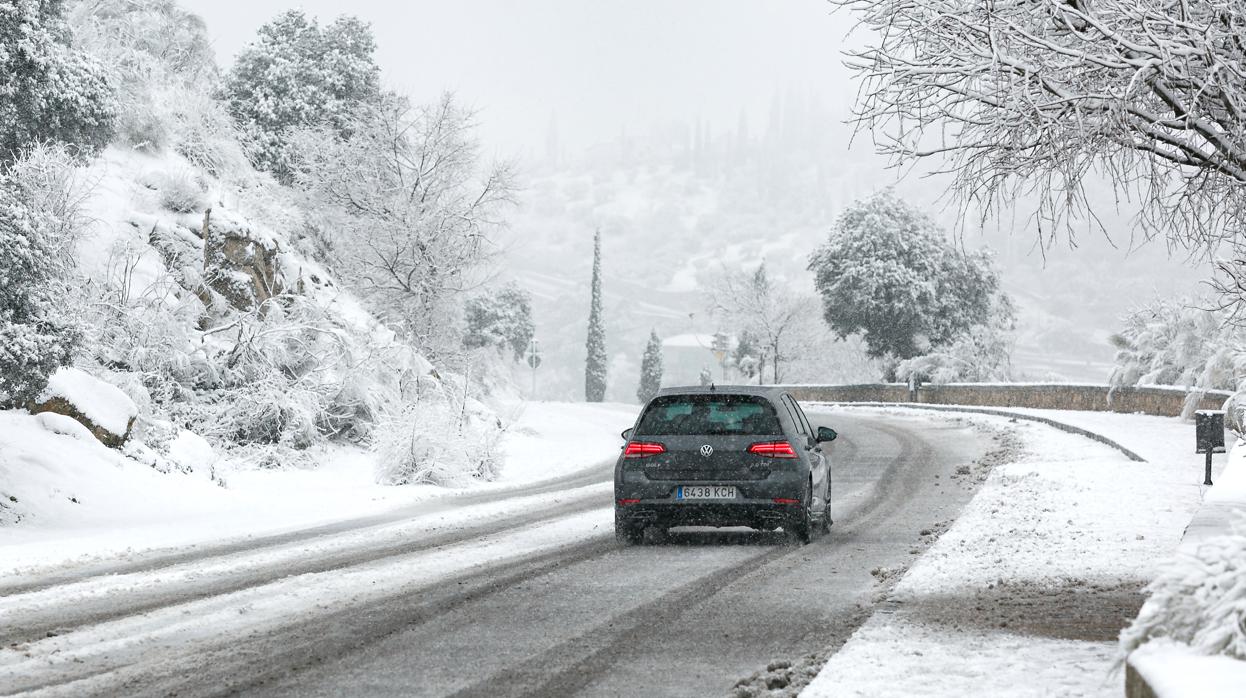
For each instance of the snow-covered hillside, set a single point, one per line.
(199, 291)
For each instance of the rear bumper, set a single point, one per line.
(745, 513)
(653, 502)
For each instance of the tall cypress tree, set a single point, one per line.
(650, 369)
(595, 365)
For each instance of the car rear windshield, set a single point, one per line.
(743, 415)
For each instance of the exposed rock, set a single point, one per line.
(102, 408)
(239, 261)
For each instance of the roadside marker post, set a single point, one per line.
(1208, 436)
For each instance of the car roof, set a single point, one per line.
(760, 390)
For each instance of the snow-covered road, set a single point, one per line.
(498, 593)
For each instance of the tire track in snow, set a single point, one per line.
(98, 600)
(598, 650)
(162, 558)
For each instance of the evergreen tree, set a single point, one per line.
(650, 369)
(595, 364)
(889, 273)
(300, 74)
(49, 91)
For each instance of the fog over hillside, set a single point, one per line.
(713, 138)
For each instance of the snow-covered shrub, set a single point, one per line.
(149, 46)
(1199, 599)
(981, 354)
(203, 133)
(1181, 343)
(36, 334)
(299, 74)
(441, 437)
(181, 192)
(500, 319)
(52, 91)
(52, 182)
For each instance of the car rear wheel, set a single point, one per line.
(626, 532)
(800, 531)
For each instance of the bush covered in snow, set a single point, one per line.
(1180, 342)
(51, 91)
(980, 354)
(441, 437)
(500, 319)
(36, 335)
(180, 191)
(1199, 600)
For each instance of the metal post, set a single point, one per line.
(533, 356)
(1207, 476)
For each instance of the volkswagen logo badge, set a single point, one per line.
(707, 450)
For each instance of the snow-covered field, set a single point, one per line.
(81, 500)
(1025, 593)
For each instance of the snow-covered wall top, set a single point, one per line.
(1165, 401)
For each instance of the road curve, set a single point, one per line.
(687, 615)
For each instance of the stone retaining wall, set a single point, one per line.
(1161, 401)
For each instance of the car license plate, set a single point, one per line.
(705, 492)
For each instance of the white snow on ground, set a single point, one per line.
(82, 501)
(1075, 515)
(127, 644)
(105, 405)
(550, 439)
(1173, 670)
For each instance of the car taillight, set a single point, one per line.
(642, 449)
(773, 449)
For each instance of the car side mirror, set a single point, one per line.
(827, 434)
(627, 434)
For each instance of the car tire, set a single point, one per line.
(800, 531)
(626, 532)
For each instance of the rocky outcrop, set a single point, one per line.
(106, 411)
(239, 261)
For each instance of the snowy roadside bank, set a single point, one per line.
(88, 502)
(1026, 592)
(1189, 637)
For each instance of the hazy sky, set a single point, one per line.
(600, 66)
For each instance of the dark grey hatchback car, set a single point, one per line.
(723, 456)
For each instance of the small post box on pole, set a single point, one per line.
(1208, 436)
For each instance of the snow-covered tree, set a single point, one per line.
(650, 369)
(1033, 98)
(746, 355)
(164, 70)
(764, 311)
(1182, 343)
(35, 336)
(49, 90)
(595, 364)
(501, 319)
(766, 314)
(889, 273)
(409, 209)
(299, 74)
